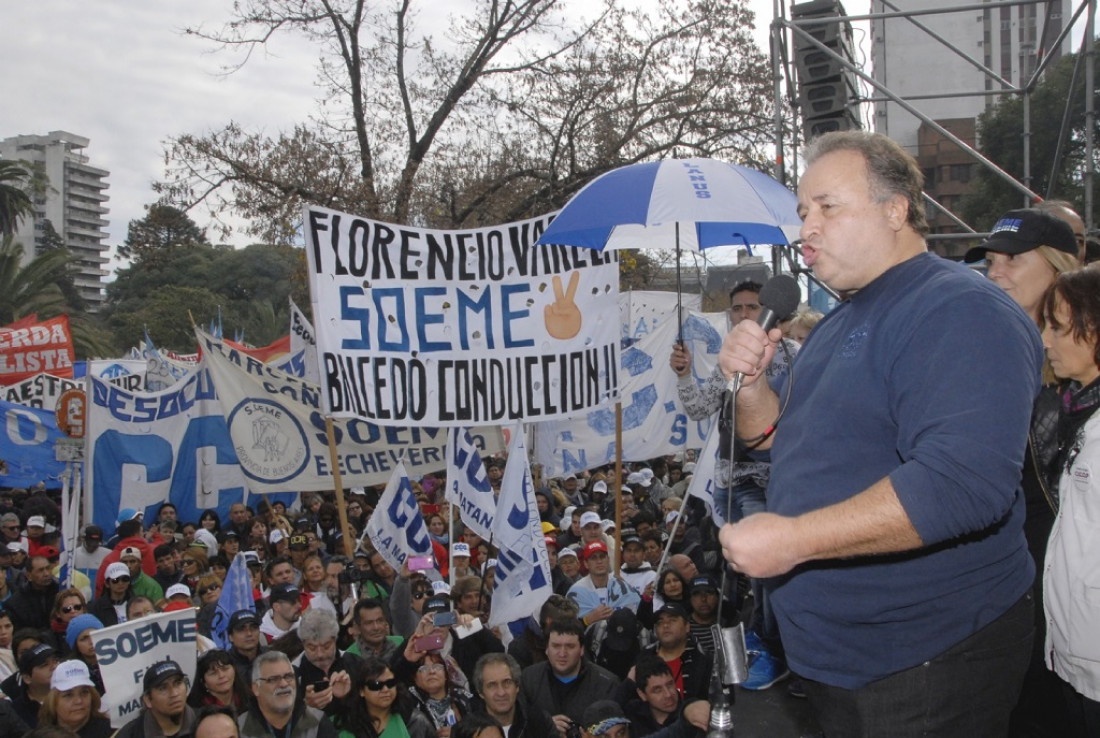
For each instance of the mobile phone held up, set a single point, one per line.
(444, 619)
(432, 642)
(420, 563)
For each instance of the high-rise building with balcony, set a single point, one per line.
(73, 205)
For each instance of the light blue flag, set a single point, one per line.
(468, 485)
(236, 595)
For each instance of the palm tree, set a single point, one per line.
(35, 288)
(15, 203)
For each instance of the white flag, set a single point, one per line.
(468, 486)
(397, 528)
(522, 582)
(702, 479)
(304, 338)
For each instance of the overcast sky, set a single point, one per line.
(123, 74)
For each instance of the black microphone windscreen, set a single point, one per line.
(781, 294)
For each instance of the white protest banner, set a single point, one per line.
(396, 527)
(522, 581)
(459, 328)
(41, 390)
(162, 370)
(654, 424)
(148, 447)
(468, 485)
(304, 339)
(641, 311)
(125, 373)
(279, 436)
(125, 651)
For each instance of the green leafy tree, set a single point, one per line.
(520, 106)
(176, 277)
(15, 202)
(163, 228)
(44, 286)
(1000, 131)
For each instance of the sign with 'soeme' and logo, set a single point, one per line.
(459, 328)
(279, 444)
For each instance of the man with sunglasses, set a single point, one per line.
(110, 606)
(130, 535)
(165, 712)
(140, 582)
(32, 601)
(277, 709)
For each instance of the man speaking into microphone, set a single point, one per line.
(893, 539)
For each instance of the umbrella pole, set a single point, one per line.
(679, 292)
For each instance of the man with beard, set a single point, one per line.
(704, 612)
(165, 713)
(286, 609)
(496, 680)
(320, 658)
(277, 711)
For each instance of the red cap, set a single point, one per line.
(592, 548)
(551, 541)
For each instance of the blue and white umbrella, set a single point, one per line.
(688, 204)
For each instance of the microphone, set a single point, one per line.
(779, 297)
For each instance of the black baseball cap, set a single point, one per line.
(1018, 231)
(160, 672)
(670, 608)
(94, 532)
(703, 584)
(35, 657)
(298, 543)
(285, 592)
(436, 603)
(242, 617)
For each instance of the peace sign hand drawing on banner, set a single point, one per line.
(563, 317)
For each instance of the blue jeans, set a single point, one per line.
(748, 498)
(967, 691)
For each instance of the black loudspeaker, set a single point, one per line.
(827, 92)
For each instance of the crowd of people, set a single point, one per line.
(868, 505)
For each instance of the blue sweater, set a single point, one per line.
(927, 376)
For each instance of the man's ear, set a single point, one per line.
(897, 211)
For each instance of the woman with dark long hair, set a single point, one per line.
(376, 705)
(217, 682)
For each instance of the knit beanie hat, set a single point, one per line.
(78, 625)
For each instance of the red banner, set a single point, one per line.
(28, 349)
(265, 354)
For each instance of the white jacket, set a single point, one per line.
(1071, 582)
